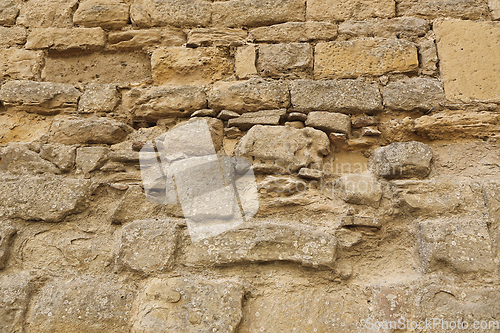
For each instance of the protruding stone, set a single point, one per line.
(179, 13)
(244, 62)
(98, 98)
(400, 27)
(363, 121)
(293, 32)
(17, 159)
(359, 189)
(19, 64)
(61, 39)
(262, 243)
(339, 141)
(205, 113)
(402, 160)
(249, 119)
(294, 60)
(308, 173)
(216, 37)
(329, 122)
(370, 131)
(61, 155)
(337, 10)
(91, 158)
(228, 115)
(413, 94)
(107, 14)
(146, 38)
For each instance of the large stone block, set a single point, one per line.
(42, 198)
(264, 243)
(349, 96)
(19, 64)
(179, 13)
(247, 96)
(293, 32)
(464, 9)
(61, 39)
(16, 291)
(398, 27)
(47, 13)
(108, 14)
(181, 65)
(12, 36)
(9, 9)
(39, 97)
(364, 56)
(283, 149)
(468, 59)
(18, 159)
(294, 60)
(337, 10)
(254, 13)
(413, 94)
(146, 38)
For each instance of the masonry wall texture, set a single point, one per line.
(372, 127)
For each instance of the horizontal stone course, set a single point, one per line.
(62, 39)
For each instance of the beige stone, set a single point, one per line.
(428, 57)
(17, 159)
(107, 14)
(329, 122)
(180, 65)
(179, 13)
(61, 155)
(336, 10)
(294, 60)
(47, 13)
(292, 32)
(146, 38)
(98, 98)
(254, 13)
(61, 39)
(414, 94)
(16, 291)
(399, 27)
(216, 37)
(364, 56)
(464, 9)
(9, 9)
(123, 67)
(12, 36)
(244, 62)
(7, 232)
(19, 64)
(494, 9)
(468, 59)
(22, 127)
(249, 119)
(359, 189)
(89, 159)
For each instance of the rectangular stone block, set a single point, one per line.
(348, 96)
(12, 36)
(181, 65)
(124, 67)
(293, 60)
(254, 13)
(47, 13)
(338, 10)
(179, 13)
(216, 36)
(464, 9)
(142, 39)
(468, 53)
(364, 56)
(413, 94)
(329, 121)
(99, 98)
(291, 32)
(61, 39)
(399, 27)
(244, 61)
(249, 119)
(107, 14)
(19, 64)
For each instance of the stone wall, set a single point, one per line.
(372, 128)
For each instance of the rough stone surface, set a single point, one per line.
(179, 13)
(329, 122)
(73, 130)
(17, 159)
(494, 9)
(283, 149)
(365, 56)
(247, 96)
(8, 12)
(413, 94)
(266, 117)
(61, 155)
(19, 64)
(98, 98)
(464, 9)
(179, 65)
(143, 39)
(244, 62)
(16, 291)
(398, 27)
(62, 39)
(293, 32)
(108, 14)
(402, 160)
(6, 233)
(293, 60)
(216, 36)
(266, 242)
(336, 10)
(359, 189)
(249, 13)
(468, 62)
(428, 57)
(39, 97)
(342, 96)
(45, 198)
(47, 13)
(12, 36)
(91, 158)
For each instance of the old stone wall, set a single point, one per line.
(372, 130)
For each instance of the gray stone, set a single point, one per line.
(329, 122)
(293, 60)
(147, 246)
(107, 14)
(247, 96)
(6, 233)
(18, 159)
(266, 117)
(61, 155)
(12, 36)
(91, 158)
(350, 96)
(45, 198)
(8, 12)
(413, 94)
(15, 290)
(359, 189)
(402, 160)
(265, 242)
(400, 27)
(216, 36)
(464, 9)
(99, 98)
(179, 13)
(291, 32)
(39, 97)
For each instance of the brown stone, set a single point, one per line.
(337, 10)
(244, 62)
(107, 14)
(463, 9)
(146, 38)
(19, 64)
(47, 13)
(399, 27)
(215, 37)
(293, 32)
(294, 60)
(98, 98)
(61, 39)
(12, 36)
(179, 13)
(9, 9)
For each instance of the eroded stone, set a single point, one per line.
(337, 10)
(359, 189)
(293, 32)
(294, 60)
(329, 122)
(413, 94)
(98, 98)
(61, 39)
(179, 13)
(19, 64)
(107, 14)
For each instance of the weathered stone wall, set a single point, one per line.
(372, 127)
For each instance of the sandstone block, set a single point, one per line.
(464, 9)
(12, 36)
(73, 130)
(188, 305)
(259, 243)
(146, 38)
(47, 13)
(335, 95)
(91, 158)
(61, 155)
(179, 13)
(494, 9)
(9, 10)
(39, 97)
(282, 148)
(267, 117)
(6, 233)
(468, 62)
(41, 198)
(73, 305)
(180, 65)
(61, 39)
(400, 27)
(244, 61)
(293, 32)
(251, 95)
(294, 60)
(359, 189)
(329, 122)
(336, 10)
(17, 159)
(364, 56)
(16, 291)
(107, 14)
(412, 94)
(215, 37)
(254, 13)
(98, 98)
(19, 64)
(147, 246)
(402, 160)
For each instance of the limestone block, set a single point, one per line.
(399, 27)
(215, 37)
(293, 32)
(359, 189)
(244, 61)
(91, 158)
(98, 98)
(17, 159)
(266, 117)
(16, 290)
(47, 13)
(463, 9)
(294, 60)
(19, 64)
(9, 10)
(12, 36)
(179, 13)
(337, 10)
(107, 14)
(61, 155)
(61, 39)
(146, 38)
(413, 94)
(329, 122)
